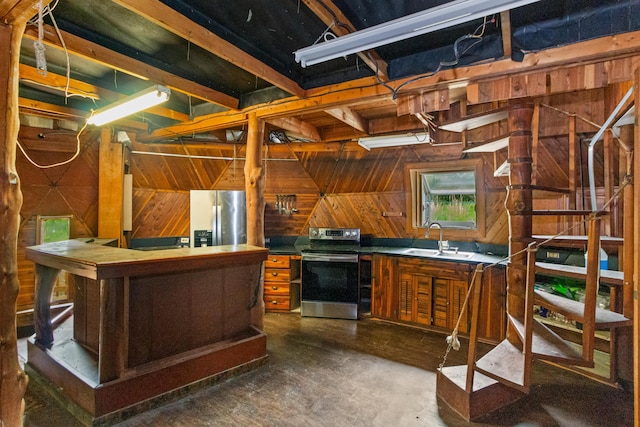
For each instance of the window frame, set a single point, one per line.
(413, 184)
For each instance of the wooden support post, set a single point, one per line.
(519, 206)
(572, 169)
(13, 382)
(636, 255)
(112, 335)
(45, 281)
(110, 187)
(254, 185)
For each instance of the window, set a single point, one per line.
(448, 198)
(449, 193)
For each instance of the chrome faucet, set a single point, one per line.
(440, 243)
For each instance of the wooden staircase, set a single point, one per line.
(504, 373)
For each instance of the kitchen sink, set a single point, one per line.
(420, 252)
(434, 253)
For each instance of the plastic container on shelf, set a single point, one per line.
(604, 260)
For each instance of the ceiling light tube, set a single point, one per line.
(394, 140)
(140, 101)
(426, 21)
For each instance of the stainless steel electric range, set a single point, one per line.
(330, 273)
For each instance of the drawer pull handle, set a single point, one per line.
(275, 288)
(274, 260)
(275, 273)
(274, 302)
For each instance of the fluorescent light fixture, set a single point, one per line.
(394, 140)
(132, 104)
(426, 21)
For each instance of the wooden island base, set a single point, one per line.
(146, 326)
(64, 372)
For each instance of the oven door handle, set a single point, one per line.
(330, 257)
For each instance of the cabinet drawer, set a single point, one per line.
(272, 302)
(276, 288)
(277, 261)
(277, 275)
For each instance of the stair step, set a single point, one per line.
(487, 394)
(547, 345)
(609, 277)
(574, 310)
(563, 212)
(505, 363)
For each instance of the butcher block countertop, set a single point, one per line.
(98, 262)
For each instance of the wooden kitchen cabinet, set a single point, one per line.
(281, 283)
(414, 298)
(431, 293)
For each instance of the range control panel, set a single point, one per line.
(348, 234)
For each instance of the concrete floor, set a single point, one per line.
(328, 372)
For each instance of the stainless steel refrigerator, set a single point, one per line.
(217, 218)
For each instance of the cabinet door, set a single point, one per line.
(457, 294)
(406, 297)
(414, 298)
(383, 280)
(441, 302)
(424, 301)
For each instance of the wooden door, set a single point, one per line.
(441, 302)
(424, 302)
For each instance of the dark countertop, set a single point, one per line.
(428, 253)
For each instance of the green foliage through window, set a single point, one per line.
(449, 198)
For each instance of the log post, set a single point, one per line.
(254, 186)
(14, 381)
(519, 205)
(636, 255)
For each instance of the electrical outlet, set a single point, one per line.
(553, 255)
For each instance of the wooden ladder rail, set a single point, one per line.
(592, 282)
(530, 284)
(473, 333)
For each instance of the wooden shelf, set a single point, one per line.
(607, 277)
(489, 146)
(574, 310)
(580, 242)
(475, 121)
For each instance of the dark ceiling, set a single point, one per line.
(270, 31)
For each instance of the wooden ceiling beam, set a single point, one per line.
(79, 88)
(333, 17)
(505, 26)
(296, 127)
(20, 11)
(367, 89)
(348, 116)
(109, 58)
(173, 21)
(51, 109)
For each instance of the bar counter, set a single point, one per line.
(145, 323)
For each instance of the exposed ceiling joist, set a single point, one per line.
(296, 127)
(349, 117)
(505, 24)
(57, 82)
(333, 17)
(109, 58)
(20, 11)
(51, 109)
(171, 20)
(76, 87)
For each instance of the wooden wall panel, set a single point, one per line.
(159, 213)
(70, 189)
(364, 211)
